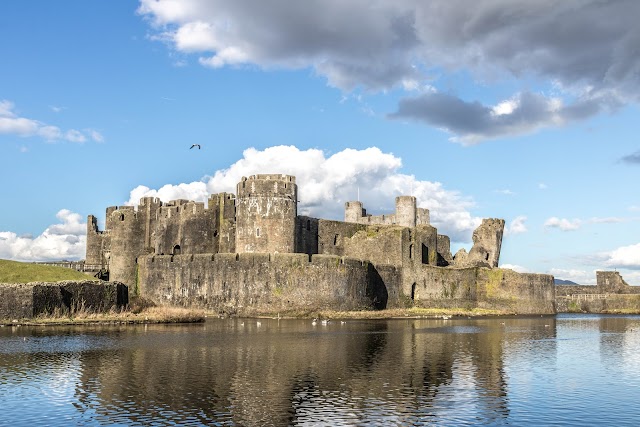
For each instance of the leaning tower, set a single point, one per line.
(266, 211)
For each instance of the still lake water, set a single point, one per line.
(571, 370)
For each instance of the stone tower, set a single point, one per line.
(406, 211)
(125, 229)
(353, 211)
(266, 211)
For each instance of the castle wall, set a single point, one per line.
(333, 234)
(406, 214)
(185, 228)
(266, 211)
(95, 243)
(379, 245)
(259, 282)
(394, 245)
(495, 289)
(306, 235)
(223, 205)
(522, 293)
(429, 286)
(444, 250)
(28, 300)
(612, 282)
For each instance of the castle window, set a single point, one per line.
(410, 251)
(257, 232)
(425, 254)
(215, 233)
(176, 250)
(335, 239)
(121, 217)
(413, 292)
(487, 257)
(308, 225)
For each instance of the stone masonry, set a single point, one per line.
(252, 251)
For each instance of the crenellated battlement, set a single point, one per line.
(269, 185)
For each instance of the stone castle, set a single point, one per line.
(252, 252)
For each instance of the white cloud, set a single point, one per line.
(75, 136)
(506, 192)
(607, 220)
(325, 183)
(65, 240)
(624, 257)
(95, 135)
(542, 186)
(515, 267)
(517, 226)
(12, 124)
(581, 277)
(563, 223)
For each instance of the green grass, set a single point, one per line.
(25, 272)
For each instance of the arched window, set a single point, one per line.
(176, 250)
(413, 292)
(410, 251)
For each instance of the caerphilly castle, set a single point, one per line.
(251, 252)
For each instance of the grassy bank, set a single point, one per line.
(393, 313)
(25, 272)
(130, 315)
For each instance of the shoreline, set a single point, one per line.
(168, 315)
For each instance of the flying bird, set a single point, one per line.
(195, 145)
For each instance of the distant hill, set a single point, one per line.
(565, 282)
(25, 272)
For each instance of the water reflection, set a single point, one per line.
(516, 371)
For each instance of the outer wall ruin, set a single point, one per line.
(253, 253)
(28, 300)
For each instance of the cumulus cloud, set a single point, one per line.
(583, 53)
(64, 240)
(624, 257)
(563, 223)
(326, 182)
(517, 226)
(12, 124)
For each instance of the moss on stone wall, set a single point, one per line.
(494, 283)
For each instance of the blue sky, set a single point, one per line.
(526, 111)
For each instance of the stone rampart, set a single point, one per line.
(522, 293)
(27, 300)
(260, 282)
(496, 289)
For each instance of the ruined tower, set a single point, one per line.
(266, 211)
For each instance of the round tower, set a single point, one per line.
(406, 211)
(127, 244)
(353, 211)
(266, 211)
